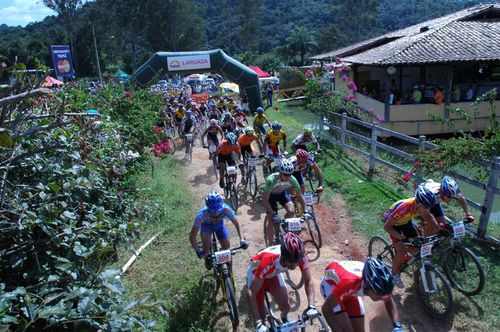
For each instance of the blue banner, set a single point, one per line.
(61, 57)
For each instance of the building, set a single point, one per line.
(459, 54)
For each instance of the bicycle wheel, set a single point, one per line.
(439, 302)
(464, 271)
(231, 301)
(172, 145)
(294, 278)
(313, 180)
(266, 221)
(277, 233)
(234, 196)
(214, 163)
(314, 231)
(378, 247)
(252, 183)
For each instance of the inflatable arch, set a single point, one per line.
(203, 61)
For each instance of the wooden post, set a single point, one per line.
(373, 150)
(344, 128)
(449, 86)
(489, 197)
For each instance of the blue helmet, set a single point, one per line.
(260, 110)
(189, 112)
(276, 125)
(450, 187)
(425, 196)
(214, 201)
(231, 137)
(378, 277)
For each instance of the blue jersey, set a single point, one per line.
(204, 217)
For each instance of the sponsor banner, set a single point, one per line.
(61, 57)
(188, 62)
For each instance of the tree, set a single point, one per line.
(302, 41)
(249, 34)
(357, 19)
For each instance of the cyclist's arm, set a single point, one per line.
(265, 198)
(433, 226)
(254, 288)
(340, 320)
(192, 237)
(284, 143)
(237, 226)
(259, 143)
(309, 286)
(302, 200)
(203, 136)
(319, 174)
(317, 145)
(389, 228)
(391, 308)
(463, 203)
(221, 132)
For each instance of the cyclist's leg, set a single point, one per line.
(338, 318)
(221, 160)
(223, 237)
(273, 201)
(409, 230)
(300, 178)
(280, 295)
(286, 202)
(356, 310)
(438, 213)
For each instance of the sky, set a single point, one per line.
(22, 12)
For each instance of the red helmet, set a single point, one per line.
(292, 248)
(301, 155)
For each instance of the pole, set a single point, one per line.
(98, 65)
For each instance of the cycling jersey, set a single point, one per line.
(179, 113)
(205, 217)
(260, 119)
(276, 186)
(274, 139)
(297, 168)
(301, 140)
(245, 140)
(225, 148)
(266, 264)
(403, 211)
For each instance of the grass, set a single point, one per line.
(368, 198)
(167, 271)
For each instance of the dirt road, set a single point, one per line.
(339, 242)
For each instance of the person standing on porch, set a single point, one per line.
(438, 96)
(416, 96)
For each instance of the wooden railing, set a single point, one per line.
(339, 132)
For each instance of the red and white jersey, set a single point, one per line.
(266, 264)
(345, 277)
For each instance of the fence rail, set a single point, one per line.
(338, 123)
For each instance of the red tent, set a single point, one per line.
(259, 71)
(50, 81)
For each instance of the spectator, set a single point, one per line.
(438, 96)
(364, 89)
(393, 88)
(416, 97)
(455, 96)
(469, 94)
(269, 94)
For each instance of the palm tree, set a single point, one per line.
(302, 40)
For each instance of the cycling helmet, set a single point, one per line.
(292, 248)
(260, 110)
(286, 167)
(378, 277)
(236, 108)
(213, 123)
(307, 132)
(450, 187)
(227, 115)
(231, 137)
(249, 131)
(301, 155)
(276, 125)
(214, 201)
(425, 196)
(189, 112)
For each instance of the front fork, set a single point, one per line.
(428, 277)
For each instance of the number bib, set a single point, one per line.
(212, 148)
(309, 198)
(293, 224)
(252, 161)
(223, 256)
(189, 137)
(231, 170)
(426, 250)
(458, 229)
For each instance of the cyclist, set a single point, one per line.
(343, 286)
(179, 114)
(398, 223)
(224, 155)
(307, 136)
(211, 219)
(211, 133)
(211, 102)
(445, 191)
(245, 143)
(240, 117)
(273, 139)
(264, 274)
(228, 124)
(214, 113)
(276, 189)
(259, 121)
(300, 162)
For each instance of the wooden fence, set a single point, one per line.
(337, 128)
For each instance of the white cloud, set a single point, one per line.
(22, 12)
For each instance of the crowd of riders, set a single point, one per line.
(221, 121)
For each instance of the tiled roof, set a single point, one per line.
(445, 39)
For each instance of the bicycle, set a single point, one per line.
(169, 136)
(460, 264)
(251, 173)
(275, 324)
(213, 156)
(312, 223)
(425, 277)
(230, 190)
(310, 174)
(189, 146)
(220, 260)
(276, 160)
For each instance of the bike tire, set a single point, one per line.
(461, 267)
(234, 197)
(266, 221)
(447, 297)
(378, 247)
(214, 163)
(231, 301)
(313, 180)
(252, 183)
(291, 278)
(172, 144)
(314, 231)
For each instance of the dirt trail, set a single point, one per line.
(339, 242)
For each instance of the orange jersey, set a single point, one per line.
(225, 148)
(245, 140)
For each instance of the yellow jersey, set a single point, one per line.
(179, 113)
(260, 119)
(274, 139)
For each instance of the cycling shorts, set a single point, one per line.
(221, 158)
(219, 229)
(283, 198)
(300, 178)
(301, 146)
(352, 305)
(272, 149)
(247, 149)
(267, 286)
(187, 129)
(212, 138)
(409, 230)
(259, 129)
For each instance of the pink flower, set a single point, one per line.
(330, 67)
(352, 86)
(157, 129)
(314, 64)
(309, 73)
(339, 60)
(350, 98)
(407, 176)
(416, 164)
(345, 78)
(378, 118)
